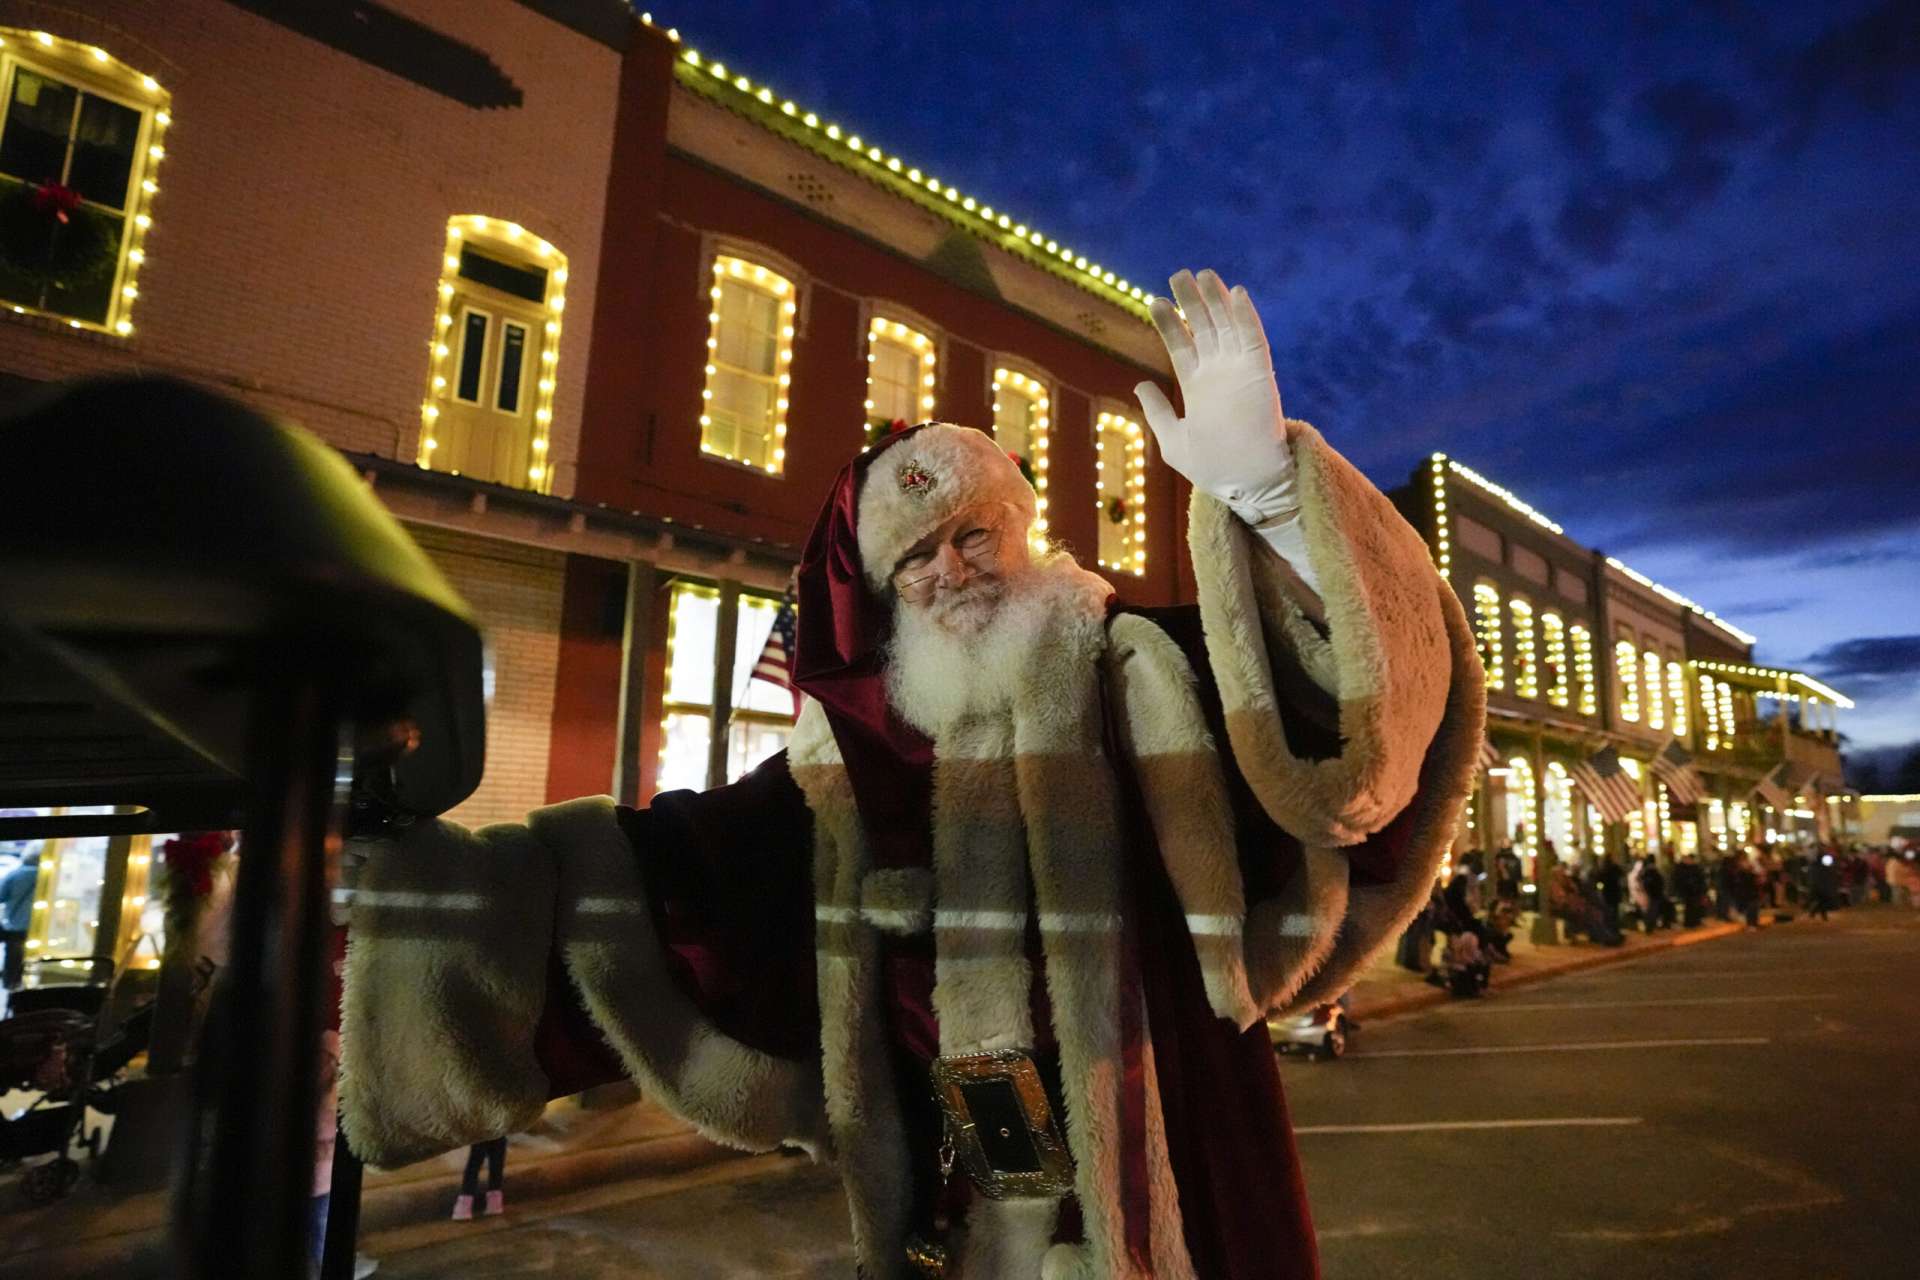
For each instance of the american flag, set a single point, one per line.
(1611, 789)
(1777, 787)
(775, 663)
(1674, 766)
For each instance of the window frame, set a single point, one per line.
(736, 266)
(1133, 466)
(1489, 627)
(507, 241)
(1037, 388)
(90, 69)
(1626, 676)
(923, 350)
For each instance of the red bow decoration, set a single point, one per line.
(56, 201)
(191, 856)
(897, 426)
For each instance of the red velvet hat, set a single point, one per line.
(840, 661)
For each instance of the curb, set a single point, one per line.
(1427, 998)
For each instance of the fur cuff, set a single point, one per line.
(731, 1093)
(1387, 659)
(445, 980)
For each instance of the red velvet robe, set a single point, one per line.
(730, 873)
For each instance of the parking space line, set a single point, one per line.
(1454, 1126)
(1497, 1006)
(1584, 1047)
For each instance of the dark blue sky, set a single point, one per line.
(1654, 267)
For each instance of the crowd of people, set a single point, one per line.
(1468, 923)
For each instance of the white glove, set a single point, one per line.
(1232, 444)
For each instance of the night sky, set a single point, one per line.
(1653, 267)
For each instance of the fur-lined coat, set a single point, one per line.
(1188, 818)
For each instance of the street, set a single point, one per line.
(1742, 1107)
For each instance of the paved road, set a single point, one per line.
(1742, 1108)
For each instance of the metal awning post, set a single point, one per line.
(242, 1208)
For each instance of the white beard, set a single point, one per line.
(964, 655)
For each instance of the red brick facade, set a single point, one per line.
(293, 257)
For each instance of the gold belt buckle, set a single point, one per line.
(1001, 1124)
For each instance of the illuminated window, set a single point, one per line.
(1020, 424)
(80, 146)
(1656, 700)
(1526, 672)
(762, 712)
(749, 364)
(1637, 825)
(693, 627)
(1728, 727)
(1626, 674)
(1558, 811)
(900, 373)
(1486, 630)
(1588, 699)
(1120, 492)
(1553, 638)
(495, 354)
(1522, 797)
(1709, 714)
(1677, 697)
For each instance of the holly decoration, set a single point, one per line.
(1026, 468)
(1116, 510)
(51, 238)
(879, 429)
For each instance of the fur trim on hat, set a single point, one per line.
(917, 483)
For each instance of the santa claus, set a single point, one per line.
(997, 933)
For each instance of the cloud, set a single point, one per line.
(1761, 608)
(1871, 60)
(1868, 659)
(1856, 557)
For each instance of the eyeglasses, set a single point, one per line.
(979, 548)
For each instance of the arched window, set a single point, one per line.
(1021, 423)
(1120, 492)
(1526, 671)
(496, 354)
(901, 372)
(81, 140)
(1553, 638)
(1587, 699)
(1626, 675)
(1656, 699)
(749, 364)
(1709, 713)
(1486, 631)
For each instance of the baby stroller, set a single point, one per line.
(59, 1044)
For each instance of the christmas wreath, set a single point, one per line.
(1116, 510)
(50, 237)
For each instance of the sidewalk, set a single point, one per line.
(94, 1232)
(1388, 991)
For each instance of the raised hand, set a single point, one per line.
(1232, 443)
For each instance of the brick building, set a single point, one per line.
(1584, 653)
(598, 319)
